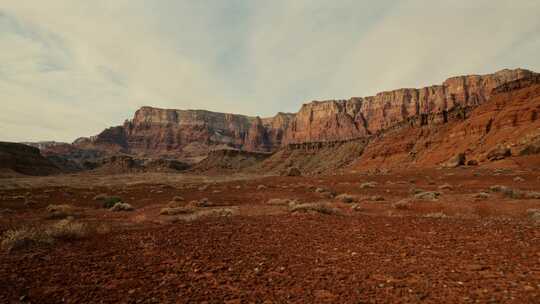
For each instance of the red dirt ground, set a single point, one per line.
(482, 251)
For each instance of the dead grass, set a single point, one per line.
(346, 198)
(280, 202)
(402, 205)
(177, 210)
(24, 237)
(436, 215)
(58, 212)
(67, 230)
(122, 207)
(323, 208)
(367, 185)
(515, 193)
(217, 212)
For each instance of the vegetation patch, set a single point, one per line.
(323, 208)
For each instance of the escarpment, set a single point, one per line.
(191, 133)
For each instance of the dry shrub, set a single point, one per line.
(534, 214)
(428, 195)
(346, 198)
(279, 202)
(402, 205)
(356, 207)
(436, 215)
(176, 204)
(177, 210)
(323, 208)
(67, 230)
(218, 212)
(58, 212)
(515, 193)
(201, 203)
(25, 237)
(122, 207)
(446, 187)
(178, 199)
(481, 195)
(368, 185)
(101, 197)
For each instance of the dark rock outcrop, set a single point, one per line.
(25, 160)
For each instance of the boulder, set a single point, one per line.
(456, 161)
(499, 153)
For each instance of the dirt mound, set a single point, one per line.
(313, 158)
(119, 164)
(23, 159)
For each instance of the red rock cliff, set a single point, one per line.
(195, 132)
(354, 118)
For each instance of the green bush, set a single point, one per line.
(110, 201)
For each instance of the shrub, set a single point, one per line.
(32, 236)
(376, 198)
(436, 215)
(202, 203)
(446, 187)
(122, 207)
(322, 208)
(24, 237)
(177, 210)
(218, 212)
(346, 198)
(481, 195)
(402, 205)
(60, 211)
(428, 195)
(110, 201)
(515, 193)
(178, 199)
(368, 185)
(66, 230)
(279, 202)
(534, 214)
(100, 197)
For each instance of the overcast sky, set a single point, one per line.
(71, 68)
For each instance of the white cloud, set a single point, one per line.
(70, 68)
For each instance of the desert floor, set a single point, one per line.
(387, 246)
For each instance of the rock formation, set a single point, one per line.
(192, 133)
(357, 117)
(24, 159)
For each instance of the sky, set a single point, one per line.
(71, 68)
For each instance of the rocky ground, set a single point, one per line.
(431, 236)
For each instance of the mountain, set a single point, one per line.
(23, 159)
(193, 133)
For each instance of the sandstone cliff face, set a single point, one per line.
(509, 120)
(161, 131)
(357, 117)
(187, 133)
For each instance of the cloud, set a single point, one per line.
(71, 68)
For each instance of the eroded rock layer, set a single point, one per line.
(192, 133)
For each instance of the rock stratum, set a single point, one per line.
(192, 133)
(466, 120)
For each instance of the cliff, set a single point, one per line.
(191, 133)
